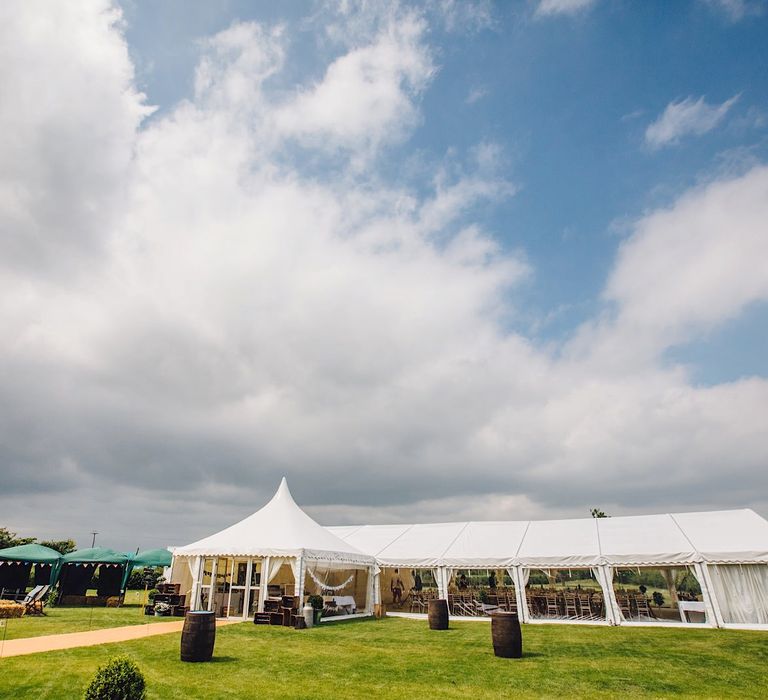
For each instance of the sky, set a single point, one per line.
(430, 261)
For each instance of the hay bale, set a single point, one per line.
(9, 609)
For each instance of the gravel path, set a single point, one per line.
(33, 645)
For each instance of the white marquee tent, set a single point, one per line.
(279, 534)
(726, 550)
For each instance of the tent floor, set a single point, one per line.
(565, 621)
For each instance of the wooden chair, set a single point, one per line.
(585, 606)
(418, 604)
(641, 605)
(624, 605)
(553, 608)
(453, 605)
(570, 605)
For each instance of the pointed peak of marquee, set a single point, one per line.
(283, 495)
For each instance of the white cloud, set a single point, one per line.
(684, 118)
(464, 15)
(683, 271)
(256, 309)
(476, 94)
(549, 8)
(61, 185)
(366, 96)
(737, 10)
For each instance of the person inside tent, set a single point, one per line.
(492, 580)
(417, 583)
(397, 587)
(463, 583)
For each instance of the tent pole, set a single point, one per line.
(442, 584)
(609, 596)
(298, 584)
(197, 579)
(212, 595)
(376, 585)
(522, 606)
(711, 604)
(265, 562)
(248, 588)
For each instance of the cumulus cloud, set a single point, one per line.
(260, 300)
(684, 271)
(737, 10)
(549, 8)
(61, 185)
(685, 118)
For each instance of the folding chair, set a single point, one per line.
(33, 603)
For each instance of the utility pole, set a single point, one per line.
(93, 542)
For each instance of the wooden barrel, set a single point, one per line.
(198, 635)
(438, 614)
(507, 638)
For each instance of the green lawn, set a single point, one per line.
(401, 658)
(60, 620)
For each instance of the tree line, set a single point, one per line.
(11, 539)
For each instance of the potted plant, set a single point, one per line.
(162, 609)
(316, 601)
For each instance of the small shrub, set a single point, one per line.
(316, 601)
(658, 599)
(120, 679)
(9, 609)
(53, 597)
(151, 595)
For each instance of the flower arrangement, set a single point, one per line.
(162, 609)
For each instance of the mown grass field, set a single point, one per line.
(398, 658)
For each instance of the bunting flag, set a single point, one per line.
(324, 585)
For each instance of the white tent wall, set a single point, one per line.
(183, 573)
(741, 592)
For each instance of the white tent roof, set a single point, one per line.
(737, 536)
(279, 529)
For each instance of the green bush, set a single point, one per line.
(53, 597)
(151, 595)
(136, 579)
(316, 601)
(689, 584)
(120, 679)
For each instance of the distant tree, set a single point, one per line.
(61, 546)
(10, 539)
(597, 513)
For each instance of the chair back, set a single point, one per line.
(33, 594)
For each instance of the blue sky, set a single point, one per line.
(567, 98)
(430, 261)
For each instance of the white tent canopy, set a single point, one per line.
(279, 529)
(731, 536)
